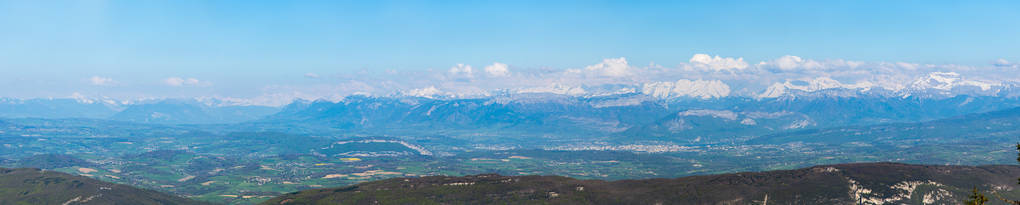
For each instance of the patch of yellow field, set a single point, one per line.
(115, 170)
(314, 185)
(86, 170)
(264, 167)
(207, 183)
(321, 164)
(334, 176)
(229, 195)
(186, 178)
(88, 175)
(287, 182)
(350, 159)
(247, 197)
(376, 172)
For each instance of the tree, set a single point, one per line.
(976, 198)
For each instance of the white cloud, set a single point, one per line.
(789, 62)
(497, 69)
(462, 70)
(1003, 63)
(102, 81)
(705, 61)
(611, 67)
(427, 92)
(178, 82)
(311, 75)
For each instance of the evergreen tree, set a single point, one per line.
(976, 198)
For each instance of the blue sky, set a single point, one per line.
(53, 47)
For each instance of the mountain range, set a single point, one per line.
(166, 111)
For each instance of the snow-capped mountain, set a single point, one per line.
(947, 81)
(704, 89)
(935, 84)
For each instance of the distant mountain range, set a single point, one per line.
(866, 183)
(34, 186)
(190, 112)
(992, 126)
(656, 109)
(169, 111)
(633, 116)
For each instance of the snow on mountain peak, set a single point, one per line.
(704, 89)
(947, 81)
(426, 92)
(82, 98)
(555, 89)
(816, 84)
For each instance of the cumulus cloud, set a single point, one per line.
(789, 62)
(179, 82)
(462, 70)
(611, 67)
(101, 81)
(1003, 63)
(707, 62)
(497, 69)
(427, 92)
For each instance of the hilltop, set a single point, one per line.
(862, 183)
(35, 186)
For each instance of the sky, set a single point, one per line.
(326, 49)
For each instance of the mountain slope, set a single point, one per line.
(621, 114)
(34, 186)
(55, 108)
(866, 183)
(190, 112)
(994, 126)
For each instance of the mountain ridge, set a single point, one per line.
(861, 183)
(35, 186)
